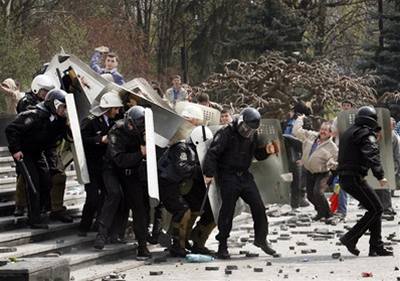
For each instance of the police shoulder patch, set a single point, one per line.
(28, 121)
(372, 138)
(183, 156)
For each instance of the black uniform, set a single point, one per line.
(33, 132)
(123, 179)
(229, 158)
(93, 129)
(175, 166)
(358, 152)
(29, 101)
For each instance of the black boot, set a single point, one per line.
(265, 247)
(351, 246)
(175, 250)
(61, 215)
(196, 249)
(101, 238)
(19, 211)
(223, 253)
(142, 252)
(379, 251)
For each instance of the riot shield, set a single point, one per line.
(77, 147)
(272, 175)
(151, 160)
(211, 116)
(347, 118)
(5, 119)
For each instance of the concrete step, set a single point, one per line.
(6, 161)
(27, 235)
(61, 245)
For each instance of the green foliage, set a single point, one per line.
(71, 35)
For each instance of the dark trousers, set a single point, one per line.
(372, 219)
(136, 199)
(173, 200)
(315, 193)
(296, 185)
(195, 198)
(232, 187)
(39, 172)
(111, 217)
(385, 197)
(95, 193)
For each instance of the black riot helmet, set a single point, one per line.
(135, 117)
(54, 99)
(367, 116)
(248, 122)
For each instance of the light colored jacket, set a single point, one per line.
(324, 158)
(181, 95)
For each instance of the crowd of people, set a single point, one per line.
(113, 135)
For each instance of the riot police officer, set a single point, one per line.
(229, 157)
(124, 179)
(29, 135)
(94, 136)
(359, 152)
(177, 165)
(40, 86)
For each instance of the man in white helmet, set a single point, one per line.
(94, 136)
(40, 86)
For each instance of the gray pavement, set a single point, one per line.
(306, 253)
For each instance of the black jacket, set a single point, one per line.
(229, 152)
(359, 152)
(178, 163)
(123, 149)
(93, 128)
(28, 102)
(33, 131)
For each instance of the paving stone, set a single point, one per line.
(153, 273)
(228, 272)
(300, 243)
(336, 255)
(252, 255)
(232, 267)
(243, 252)
(258, 269)
(269, 263)
(297, 269)
(212, 268)
(291, 248)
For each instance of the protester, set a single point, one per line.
(110, 64)
(11, 91)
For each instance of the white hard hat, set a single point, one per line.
(200, 134)
(193, 111)
(110, 99)
(42, 81)
(107, 101)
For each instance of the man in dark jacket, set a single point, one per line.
(94, 136)
(177, 166)
(229, 157)
(124, 179)
(359, 152)
(29, 135)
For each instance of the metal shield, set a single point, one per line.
(211, 116)
(272, 175)
(77, 147)
(151, 159)
(347, 118)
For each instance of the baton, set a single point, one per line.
(27, 176)
(204, 199)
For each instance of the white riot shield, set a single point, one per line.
(272, 175)
(77, 147)
(347, 118)
(151, 159)
(211, 116)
